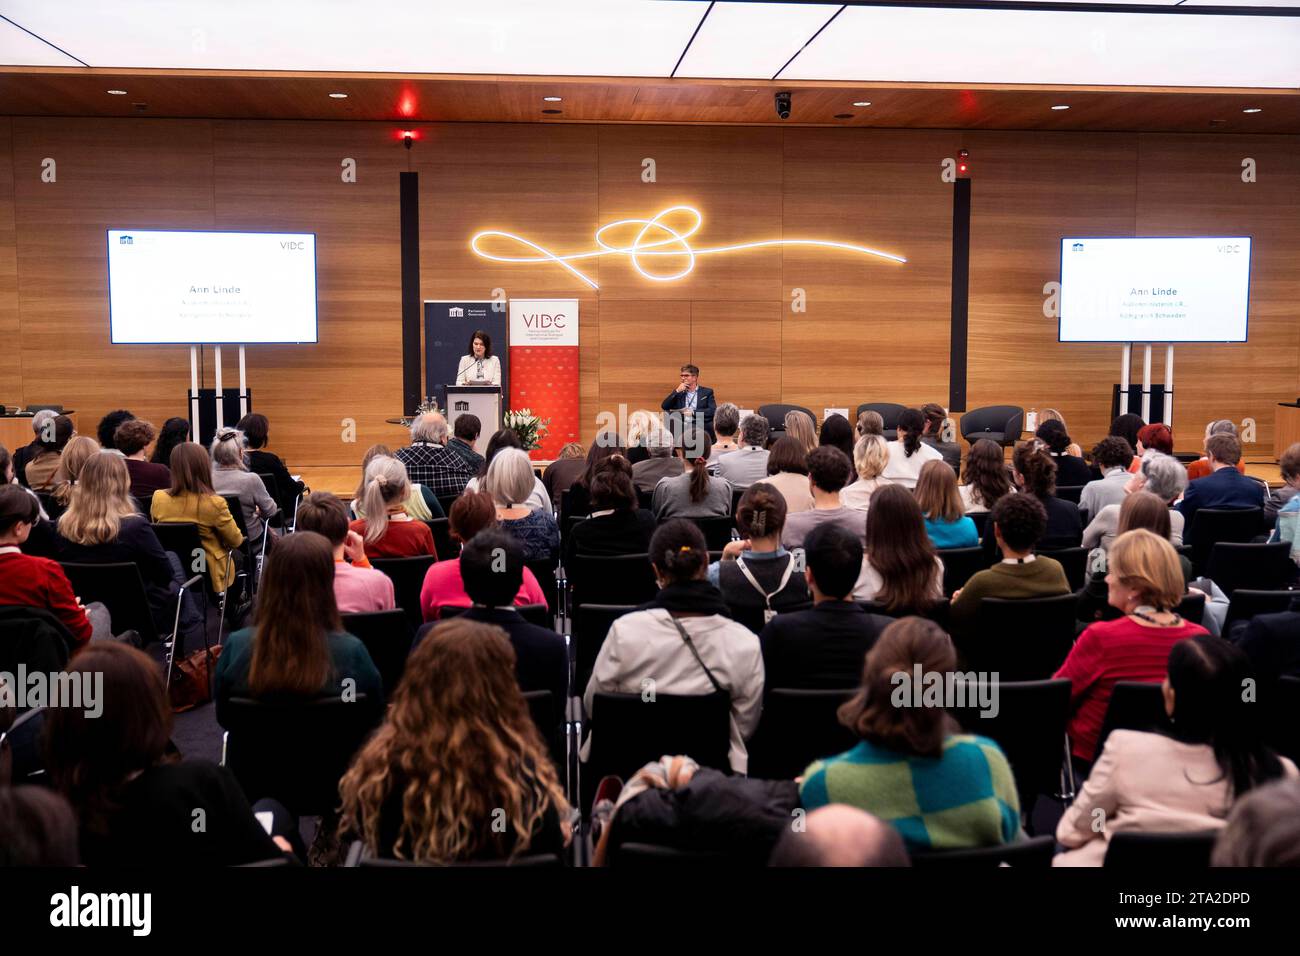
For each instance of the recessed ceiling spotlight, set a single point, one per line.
(116, 92)
(862, 103)
(1252, 109)
(1061, 106)
(552, 99)
(338, 96)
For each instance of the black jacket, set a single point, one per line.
(541, 659)
(1272, 642)
(623, 532)
(821, 648)
(287, 490)
(705, 405)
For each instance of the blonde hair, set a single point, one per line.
(509, 479)
(100, 501)
(936, 492)
(1051, 415)
(870, 456)
(385, 484)
(78, 450)
(1149, 564)
(800, 426)
(573, 449)
(642, 425)
(227, 449)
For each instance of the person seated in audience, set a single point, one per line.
(823, 647)
(102, 525)
(936, 418)
(900, 566)
(561, 474)
(465, 431)
(175, 431)
(231, 478)
(1112, 455)
(662, 463)
(986, 479)
(133, 439)
(1288, 513)
(458, 770)
(1263, 828)
(108, 426)
(1201, 468)
(1145, 583)
(758, 577)
(358, 587)
(800, 426)
(134, 796)
(538, 498)
(726, 423)
(907, 453)
(606, 444)
(945, 517)
(748, 463)
(75, 455)
(1224, 487)
(616, 524)
(837, 433)
(256, 430)
(429, 462)
(652, 643)
(38, 827)
(828, 472)
(870, 423)
(1034, 473)
(492, 570)
(44, 464)
(1126, 427)
(839, 835)
(192, 499)
(913, 767)
(787, 472)
(695, 493)
(387, 529)
(1018, 523)
(297, 647)
(870, 456)
(22, 456)
(30, 581)
(1071, 471)
(1155, 437)
(644, 428)
(443, 586)
(421, 504)
(1188, 778)
(1052, 415)
(1272, 641)
(1159, 474)
(510, 481)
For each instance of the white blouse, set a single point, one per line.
(904, 469)
(473, 371)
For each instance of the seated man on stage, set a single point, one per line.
(692, 401)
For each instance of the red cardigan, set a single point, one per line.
(402, 539)
(39, 582)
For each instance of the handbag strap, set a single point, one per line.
(767, 597)
(691, 646)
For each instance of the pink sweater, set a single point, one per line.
(358, 590)
(444, 588)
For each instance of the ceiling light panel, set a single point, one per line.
(19, 48)
(752, 40)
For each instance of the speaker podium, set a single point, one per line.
(483, 401)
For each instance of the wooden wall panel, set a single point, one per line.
(737, 346)
(11, 353)
(641, 348)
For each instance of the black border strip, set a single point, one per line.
(960, 295)
(409, 204)
(1059, 6)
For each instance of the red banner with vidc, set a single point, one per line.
(544, 368)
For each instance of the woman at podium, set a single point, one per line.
(480, 366)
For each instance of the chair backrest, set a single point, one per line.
(716, 530)
(272, 486)
(1031, 853)
(1073, 561)
(544, 571)
(605, 579)
(407, 575)
(644, 499)
(1170, 852)
(33, 637)
(959, 564)
(446, 501)
(1191, 607)
(1027, 719)
(981, 520)
(629, 731)
(1265, 567)
(1134, 705)
(121, 589)
(387, 636)
(1282, 707)
(657, 856)
(1070, 493)
(543, 860)
(566, 503)
(1000, 423)
(237, 512)
(548, 716)
(295, 751)
(590, 626)
(736, 495)
(775, 414)
(798, 727)
(1210, 526)
(446, 546)
(1025, 639)
(889, 411)
(1247, 602)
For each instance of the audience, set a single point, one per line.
(1183, 780)
(1158, 474)
(133, 439)
(800, 426)
(912, 767)
(561, 474)
(1224, 487)
(644, 428)
(605, 445)
(1034, 473)
(457, 771)
(387, 530)
(936, 419)
(828, 472)
(757, 577)
(1126, 427)
(75, 455)
(900, 568)
(421, 504)
(108, 426)
(1071, 471)
(945, 517)
(538, 498)
(870, 456)
(37, 828)
(823, 647)
(907, 453)
(510, 481)
(1288, 515)
(1202, 467)
(985, 480)
(1052, 415)
(1272, 642)
(472, 513)
(695, 493)
(465, 432)
(192, 499)
(358, 587)
(661, 464)
(1112, 456)
(429, 462)
(726, 423)
(256, 430)
(1155, 437)
(787, 472)
(837, 432)
(40, 469)
(175, 431)
(231, 478)
(870, 423)
(616, 524)
(1145, 583)
(748, 463)
(838, 835)
(1263, 828)
(24, 455)
(684, 642)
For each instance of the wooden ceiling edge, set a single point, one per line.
(531, 78)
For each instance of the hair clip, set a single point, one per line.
(684, 548)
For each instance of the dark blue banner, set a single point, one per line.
(448, 329)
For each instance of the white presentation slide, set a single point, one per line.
(1155, 290)
(211, 287)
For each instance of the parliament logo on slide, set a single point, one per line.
(455, 312)
(1077, 247)
(125, 241)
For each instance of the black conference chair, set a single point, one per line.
(445, 502)
(285, 517)
(1168, 852)
(181, 538)
(736, 495)
(1034, 853)
(644, 499)
(1282, 713)
(590, 625)
(798, 727)
(959, 564)
(1191, 608)
(655, 856)
(775, 414)
(981, 520)
(1002, 424)
(387, 636)
(252, 560)
(120, 588)
(544, 570)
(1248, 602)
(1025, 639)
(716, 531)
(446, 546)
(1134, 705)
(889, 411)
(407, 575)
(548, 716)
(1070, 493)
(532, 613)
(610, 579)
(1263, 567)
(1073, 561)
(1210, 526)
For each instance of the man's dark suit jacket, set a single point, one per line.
(1225, 488)
(705, 405)
(821, 648)
(1272, 642)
